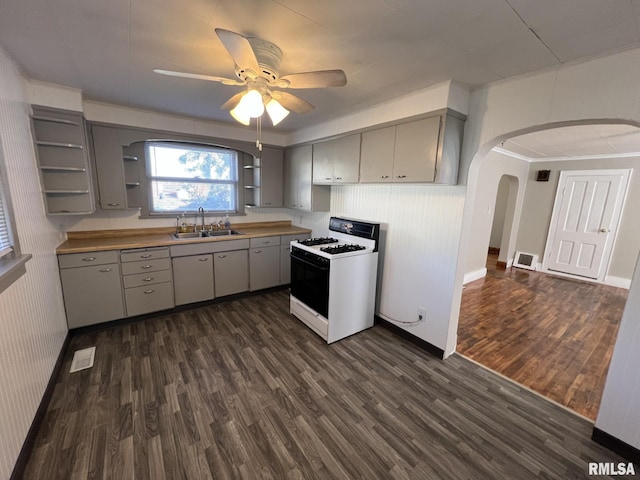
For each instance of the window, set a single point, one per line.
(183, 177)
(6, 244)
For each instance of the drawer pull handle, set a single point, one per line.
(384, 176)
(105, 270)
(89, 259)
(222, 256)
(204, 259)
(327, 178)
(113, 204)
(148, 279)
(257, 251)
(146, 266)
(147, 292)
(148, 255)
(401, 176)
(338, 178)
(266, 241)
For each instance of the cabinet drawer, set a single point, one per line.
(265, 242)
(71, 260)
(146, 266)
(143, 254)
(141, 279)
(150, 298)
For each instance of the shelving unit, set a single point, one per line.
(132, 176)
(263, 179)
(61, 149)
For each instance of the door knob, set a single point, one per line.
(604, 230)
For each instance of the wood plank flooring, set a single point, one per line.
(553, 335)
(243, 390)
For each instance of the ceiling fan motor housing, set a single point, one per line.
(269, 57)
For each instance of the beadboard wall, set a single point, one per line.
(32, 318)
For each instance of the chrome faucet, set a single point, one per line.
(201, 212)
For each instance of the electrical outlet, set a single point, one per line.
(422, 314)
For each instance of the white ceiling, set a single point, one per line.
(108, 49)
(576, 142)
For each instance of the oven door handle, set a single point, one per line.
(311, 264)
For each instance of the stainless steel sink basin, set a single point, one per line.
(207, 233)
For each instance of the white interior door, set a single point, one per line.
(584, 222)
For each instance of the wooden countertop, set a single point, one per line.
(93, 241)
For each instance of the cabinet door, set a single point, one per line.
(376, 156)
(323, 155)
(416, 151)
(346, 160)
(264, 267)
(290, 187)
(92, 294)
(285, 264)
(303, 172)
(231, 271)
(271, 177)
(193, 279)
(109, 168)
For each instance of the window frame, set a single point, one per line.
(12, 263)
(237, 184)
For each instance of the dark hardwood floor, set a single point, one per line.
(551, 334)
(243, 390)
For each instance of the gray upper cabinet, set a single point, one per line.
(337, 161)
(416, 150)
(63, 162)
(107, 154)
(299, 192)
(263, 178)
(422, 151)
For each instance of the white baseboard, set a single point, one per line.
(617, 281)
(475, 275)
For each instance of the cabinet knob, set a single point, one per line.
(148, 279)
(338, 178)
(148, 255)
(89, 259)
(147, 292)
(222, 256)
(146, 266)
(105, 270)
(113, 204)
(401, 176)
(203, 259)
(384, 176)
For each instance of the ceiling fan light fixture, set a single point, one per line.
(252, 103)
(276, 111)
(240, 115)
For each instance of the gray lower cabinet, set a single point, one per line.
(285, 257)
(231, 272)
(193, 278)
(147, 279)
(264, 263)
(91, 288)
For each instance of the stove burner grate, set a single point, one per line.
(342, 249)
(318, 241)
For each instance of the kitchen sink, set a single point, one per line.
(207, 233)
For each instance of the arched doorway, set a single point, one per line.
(488, 169)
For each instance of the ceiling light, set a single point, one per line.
(276, 111)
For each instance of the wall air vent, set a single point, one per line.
(83, 359)
(525, 260)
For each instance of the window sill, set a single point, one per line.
(12, 269)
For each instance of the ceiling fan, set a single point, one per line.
(257, 64)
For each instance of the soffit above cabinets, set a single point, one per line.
(386, 47)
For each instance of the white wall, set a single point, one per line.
(32, 318)
(479, 208)
(499, 212)
(603, 89)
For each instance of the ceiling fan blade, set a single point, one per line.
(320, 79)
(239, 48)
(232, 102)
(293, 103)
(197, 76)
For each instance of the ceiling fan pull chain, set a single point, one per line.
(259, 132)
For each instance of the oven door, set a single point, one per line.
(310, 281)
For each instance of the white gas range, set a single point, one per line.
(333, 280)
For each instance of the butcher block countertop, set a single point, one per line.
(96, 240)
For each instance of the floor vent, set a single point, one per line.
(83, 359)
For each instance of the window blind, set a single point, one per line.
(6, 246)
